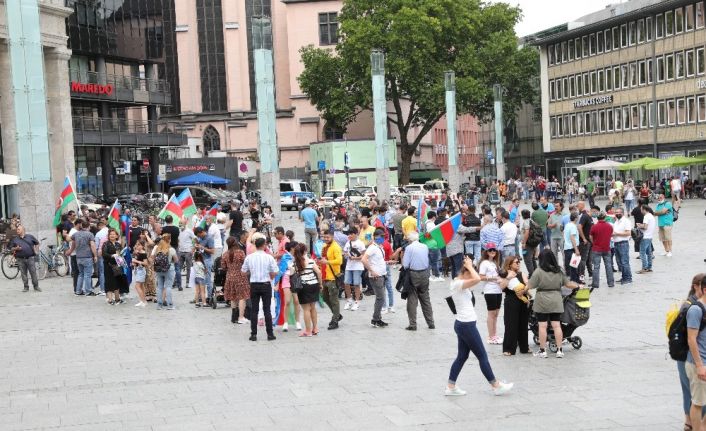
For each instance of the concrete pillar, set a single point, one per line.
(9, 149)
(101, 70)
(107, 170)
(154, 169)
(266, 118)
(499, 150)
(454, 173)
(382, 163)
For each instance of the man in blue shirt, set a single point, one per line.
(311, 218)
(694, 366)
(665, 219)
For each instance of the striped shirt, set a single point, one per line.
(491, 233)
(260, 265)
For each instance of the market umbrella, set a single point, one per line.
(198, 178)
(638, 163)
(674, 161)
(601, 165)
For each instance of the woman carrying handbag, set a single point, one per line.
(306, 283)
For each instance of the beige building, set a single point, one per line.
(625, 82)
(216, 72)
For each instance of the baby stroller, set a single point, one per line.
(577, 308)
(219, 280)
(494, 198)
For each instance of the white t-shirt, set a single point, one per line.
(622, 226)
(376, 259)
(71, 236)
(649, 231)
(509, 232)
(215, 232)
(463, 299)
(676, 184)
(490, 270)
(429, 225)
(354, 265)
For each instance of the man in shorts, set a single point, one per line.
(353, 279)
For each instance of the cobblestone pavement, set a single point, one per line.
(76, 363)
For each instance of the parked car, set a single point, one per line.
(294, 194)
(412, 188)
(327, 199)
(91, 202)
(367, 191)
(157, 197)
(204, 196)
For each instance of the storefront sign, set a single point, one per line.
(700, 84)
(573, 161)
(622, 159)
(98, 89)
(600, 100)
(188, 168)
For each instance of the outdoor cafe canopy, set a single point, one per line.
(600, 165)
(637, 163)
(675, 161)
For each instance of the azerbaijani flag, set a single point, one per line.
(186, 202)
(211, 212)
(114, 217)
(68, 195)
(422, 210)
(172, 208)
(442, 233)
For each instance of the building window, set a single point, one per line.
(700, 14)
(626, 118)
(594, 122)
(616, 38)
(577, 48)
(661, 114)
(702, 108)
(586, 123)
(601, 121)
(211, 140)
(625, 76)
(558, 89)
(690, 71)
(643, 115)
(640, 30)
(584, 44)
(631, 29)
(573, 125)
(572, 86)
(642, 73)
(660, 69)
(601, 81)
(618, 119)
(594, 83)
(634, 117)
(700, 65)
(609, 79)
(650, 114)
(211, 56)
(559, 127)
(691, 110)
(608, 40)
(669, 22)
(579, 85)
(328, 28)
(550, 52)
(679, 60)
(616, 77)
(551, 90)
(659, 26)
(571, 50)
(671, 112)
(633, 74)
(689, 17)
(648, 28)
(681, 111)
(564, 53)
(610, 120)
(669, 59)
(592, 42)
(579, 124)
(679, 20)
(600, 41)
(649, 71)
(552, 126)
(566, 88)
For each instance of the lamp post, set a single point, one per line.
(450, 85)
(382, 163)
(499, 157)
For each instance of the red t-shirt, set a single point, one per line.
(387, 249)
(602, 232)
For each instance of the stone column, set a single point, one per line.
(454, 174)
(154, 169)
(499, 143)
(7, 109)
(107, 170)
(382, 162)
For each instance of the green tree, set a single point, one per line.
(421, 40)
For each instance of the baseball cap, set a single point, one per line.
(490, 246)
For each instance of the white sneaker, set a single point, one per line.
(664, 253)
(355, 306)
(540, 354)
(503, 388)
(383, 311)
(669, 254)
(100, 293)
(140, 304)
(560, 353)
(299, 326)
(432, 278)
(391, 309)
(440, 278)
(455, 392)
(285, 327)
(348, 305)
(243, 321)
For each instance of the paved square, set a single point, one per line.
(76, 363)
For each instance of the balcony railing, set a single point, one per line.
(122, 132)
(123, 87)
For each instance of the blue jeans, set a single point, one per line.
(629, 205)
(177, 274)
(85, 271)
(622, 255)
(456, 264)
(607, 259)
(469, 340)
(388, 287)
(164, 283)
(646, 253)
(473, 248)
(101, 274)
(208, 263)
(434, 256)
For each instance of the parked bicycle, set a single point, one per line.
(10, 269)
(53, 260)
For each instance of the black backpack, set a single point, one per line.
(161, 262)
(535, 235)
(678, 340)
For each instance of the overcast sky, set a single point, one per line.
(543, 14)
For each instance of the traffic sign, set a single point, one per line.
(490, 154)
(146, 162)
(322, 165)
(332, 171)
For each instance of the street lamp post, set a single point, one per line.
(499, 157)
(382, 165)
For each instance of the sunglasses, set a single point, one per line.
(492, 251)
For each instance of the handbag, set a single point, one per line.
(337, 277)
(636, 234)
(295, 283)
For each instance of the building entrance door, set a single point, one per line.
(566, 173)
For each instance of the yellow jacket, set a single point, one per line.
(334, 256)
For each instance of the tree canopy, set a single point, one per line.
(421, 40)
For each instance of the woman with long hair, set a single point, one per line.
(164, 257)
(236, 288)
(548, 279)
(493, 294)
(139, 262)
(114, 277)
(469, 339)
(310, 276)
(516, 313)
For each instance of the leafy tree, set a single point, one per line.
(421, 40)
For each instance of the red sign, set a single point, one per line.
(146, 163)
(188, 168)
(78, 87)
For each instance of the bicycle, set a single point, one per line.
(10, 268)
(54, 260)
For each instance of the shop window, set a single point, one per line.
(679, 20)
(659, 26)
(633, 33)
(661, 114)
(700, 65)
(609, 120)
(616, 77)
(572, 86)
(699, 14)
(623, 35)
(669, 22)
(601, 81)
(571, 50)
(669, 59)
(584, 44)
(600, 42)
(640, 30)
(660, 69)
(649, 29)
(690, 69)
(626, 118)
(616, 38)
(633, 74)
(689, 17)
(679, 60)
(671, 112)
(609, 79)
(618, 119)
(701, 101)
(642, 73)
(691, 110)
(608, 36)
(643, 115)
(634, 117)
(681, 111)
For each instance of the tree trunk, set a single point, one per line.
(403, 167)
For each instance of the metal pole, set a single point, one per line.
(382, 165)
(450, 84)
(499, 158)
(267, 132)
(347, 167)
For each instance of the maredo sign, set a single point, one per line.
(98, 89)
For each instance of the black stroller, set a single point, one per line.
(219, 280)
(577, 308)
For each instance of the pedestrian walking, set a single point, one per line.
(695, 359)
(205, 245)
(261, 268)
(353, 252)
(648, 228)
(330, 265)
(165, 257)
(25, 247)
(311, 218)
(601, 235)
(115, 279)
(416, 260)
(515, 311)
(571, 247)
(186, 252)
(139, 262)
(665, 220)
(374, 261)
(585, 223)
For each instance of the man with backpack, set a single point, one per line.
(696, 356)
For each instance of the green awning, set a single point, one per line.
(638, 163)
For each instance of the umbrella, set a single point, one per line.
(638, 163)
(600, 165)
(674, 161)
(198, 178)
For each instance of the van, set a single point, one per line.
(293, 193)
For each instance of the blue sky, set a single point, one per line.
(543, 14)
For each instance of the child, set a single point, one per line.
(139, 262)
(199, 279)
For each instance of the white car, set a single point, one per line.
(341, 197)
(89, 200)
(367, 191)
(157, 197)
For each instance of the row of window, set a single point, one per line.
(670, 112)
(676, 65)
(669, 23)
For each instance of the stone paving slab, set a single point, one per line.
(75, 363)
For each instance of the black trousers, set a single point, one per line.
(260, 291)
(515, 318)
(586, 261)
(74, 270)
